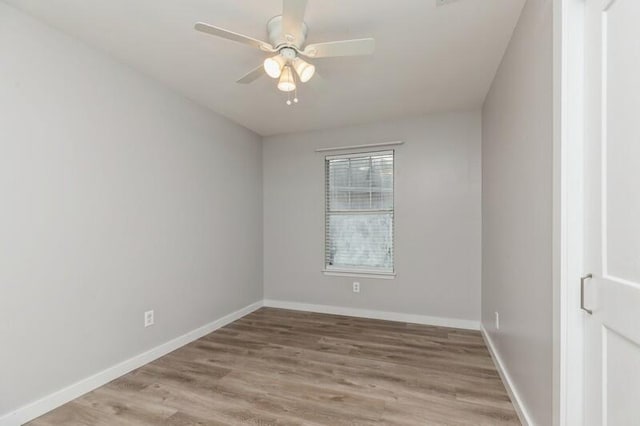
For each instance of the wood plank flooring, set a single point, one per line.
(281, 367)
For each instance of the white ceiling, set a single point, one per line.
(428, 58)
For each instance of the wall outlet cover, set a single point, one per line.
(148, 318)
(356, 287)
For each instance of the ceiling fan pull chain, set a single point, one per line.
(295, 87)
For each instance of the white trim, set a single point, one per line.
(364, 154)
(569, 104)
(56, 399)
(558, 212)
(516, 400)
(363, 274)
(368, 145)
(368, 313)
(604, 136)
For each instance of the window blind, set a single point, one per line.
(359, 212)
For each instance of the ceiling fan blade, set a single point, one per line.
(230, 35)
(252, 75)
(293, 18)
(362, 46)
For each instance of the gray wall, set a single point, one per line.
(118, 196)
(437, 203)
(517, 172)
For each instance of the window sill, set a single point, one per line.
(360, 274)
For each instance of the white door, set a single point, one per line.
(612, 213)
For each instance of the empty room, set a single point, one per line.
(319, 212)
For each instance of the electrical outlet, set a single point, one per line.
(497, 320)
(356, 287)
(148, 318)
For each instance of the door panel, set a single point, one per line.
(612, 213)
(620, 342)
(621, 138)
(621, 374)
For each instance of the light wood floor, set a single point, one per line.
(280, 367)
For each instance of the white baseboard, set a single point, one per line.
(518, 404)
(382, 315)
(56, 399)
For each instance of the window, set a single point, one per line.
(359, 213)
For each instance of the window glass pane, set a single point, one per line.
(339, 192)
(382, 182)
(340, 200)
(360, 199)
(361, 183)
(359, 212)
(360, 174)
(360, 241)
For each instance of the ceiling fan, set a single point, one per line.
(287, 37)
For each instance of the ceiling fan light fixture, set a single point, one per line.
(273, 65)
(287, 82)
(304, 69)
(287, 40)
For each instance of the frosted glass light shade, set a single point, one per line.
(273, 66)
(287, 83)
(304, 69)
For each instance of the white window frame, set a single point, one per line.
(359, 272)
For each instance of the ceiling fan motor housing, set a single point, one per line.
(279, 40)
(288, 53)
